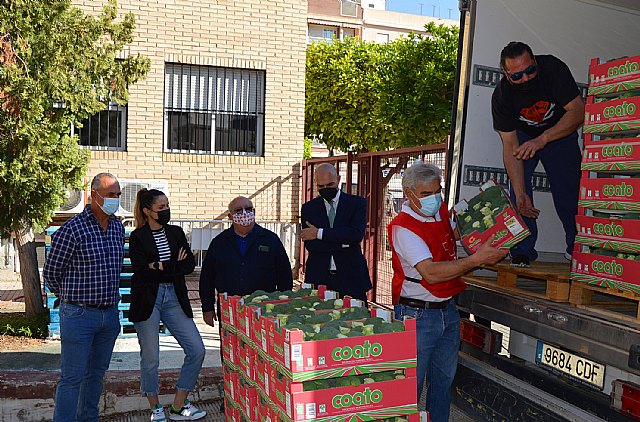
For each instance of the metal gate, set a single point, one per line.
(376, 176)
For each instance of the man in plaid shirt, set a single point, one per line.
(83, 270)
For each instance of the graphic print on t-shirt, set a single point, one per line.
(538, 114)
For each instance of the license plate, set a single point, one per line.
(577, 367)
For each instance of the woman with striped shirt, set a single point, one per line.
(161, 257)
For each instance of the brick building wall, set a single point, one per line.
(252, 34)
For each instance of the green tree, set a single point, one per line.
(57, 67)
(418, 82)
(342, 93)
(364, 96)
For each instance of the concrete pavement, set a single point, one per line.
(28, 377)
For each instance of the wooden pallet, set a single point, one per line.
(582, 296)
(545, 280)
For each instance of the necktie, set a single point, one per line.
(332, 214)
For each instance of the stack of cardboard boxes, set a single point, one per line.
(607, 251)
(274, 374)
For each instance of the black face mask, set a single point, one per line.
(328, 193)
(163, 217)
(530, 85)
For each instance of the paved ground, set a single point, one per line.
(45, 359)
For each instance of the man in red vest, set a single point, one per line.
(426, 276)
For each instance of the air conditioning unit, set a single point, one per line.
(130, 188)
(75, 200)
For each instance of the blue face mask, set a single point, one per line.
(109, 205)
(430, 205)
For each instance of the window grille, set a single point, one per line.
(213, 110)
(105, 130)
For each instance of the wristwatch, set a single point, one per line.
(156, 265)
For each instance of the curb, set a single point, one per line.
(29, 395)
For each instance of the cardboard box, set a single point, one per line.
(229, 344)
(611, 155)
(231, 382)
(231, 412)
(614, 76)
(610, 194)
(505, 223)
(605, 271)
(247, 360)
(609, 233)
(612, 116)
(248, 401)
(307, 360)
(265, 409)
(369, 401)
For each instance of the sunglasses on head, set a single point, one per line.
(518, 75)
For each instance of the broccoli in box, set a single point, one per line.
(241, 318)
(356, 338)
(489, 214)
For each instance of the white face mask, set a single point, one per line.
(109, 205)
(244, 218)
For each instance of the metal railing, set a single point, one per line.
(200, 233)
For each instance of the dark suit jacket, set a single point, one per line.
(144, 283)
(264, 266)
(342, 241)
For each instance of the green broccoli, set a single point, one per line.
(327, 334)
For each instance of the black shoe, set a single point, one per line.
(520, 261)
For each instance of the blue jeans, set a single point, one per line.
(167, 308)
(87, 337)
(561, 161)
(438, 341)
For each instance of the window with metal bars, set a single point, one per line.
(105, 130)
(213, 110)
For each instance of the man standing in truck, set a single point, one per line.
(537, 109)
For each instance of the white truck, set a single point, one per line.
(508, 380)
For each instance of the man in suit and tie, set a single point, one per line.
(333, 226)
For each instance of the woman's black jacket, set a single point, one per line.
(144, 283)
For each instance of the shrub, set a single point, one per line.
(18, 324)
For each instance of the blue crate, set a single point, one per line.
(54, 316)
(54, 329)
(51, 298)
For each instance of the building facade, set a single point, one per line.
(221, 112)
(384, 25)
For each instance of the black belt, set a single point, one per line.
(87, 305)
(421, 304)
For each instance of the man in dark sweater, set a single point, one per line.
(242, 259)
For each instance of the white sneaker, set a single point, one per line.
(567, 256)
(188, 412)
(157, 414)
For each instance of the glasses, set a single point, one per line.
(240, 210)
(518, 75)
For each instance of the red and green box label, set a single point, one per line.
(612, 116)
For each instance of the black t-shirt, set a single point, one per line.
(538, 109)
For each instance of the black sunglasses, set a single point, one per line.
(529, 71)
(239, 210)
